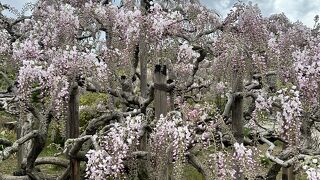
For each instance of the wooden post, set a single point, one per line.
(72, 127)
(163, 94)
(237, 115)
(160, 105)
(145, 6)
(24, 126)
(160, 96)
(163, 111)
(157, 93)
(19, 131)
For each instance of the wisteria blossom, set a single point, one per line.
(114, 147)
(5, 41)
(244, 157)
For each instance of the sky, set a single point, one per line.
(303, 10)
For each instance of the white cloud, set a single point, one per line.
(17, 4)
(303, 10)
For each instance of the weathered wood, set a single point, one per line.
(52, 160)
(145, 5)
(160, 105)
(24, 127)
(237, 115)
(73, 126)
(143, 173)
(8, 177)
(14, 148)
(143, 68)
(160, 96)
(237, 108)
(157, 92)
(163, 94)
(108, 36)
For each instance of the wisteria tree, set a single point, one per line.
(184, 87)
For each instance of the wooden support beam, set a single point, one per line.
(73, 126)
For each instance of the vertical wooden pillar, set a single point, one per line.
(24, 126)
(237, 115)
(145, 6)
(237, 107)
(160, 96)
(73, 126)
(143, 173)
(157, 93)
(163, 94)
(160, 105)
(143, 68)
(20, 153)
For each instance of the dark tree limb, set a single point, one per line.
(5, 142)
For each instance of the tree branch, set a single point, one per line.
(52, 160)
(5, 154)
(228, 106)
(277, 160)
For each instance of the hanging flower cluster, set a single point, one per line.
(54, 76)
(243, 157)
(313, 173)
(170, 138)
(312, 168)
(54, 24)
(289, 118)
(288, 111)
(114, 148)
(200, 18)
(163, 23)
(221, 166)
(128, 23)
(250, 24)
(171, 130)
(4, 41)
(29, 73)
(307, 67)
(27, 50)
(186, 58)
